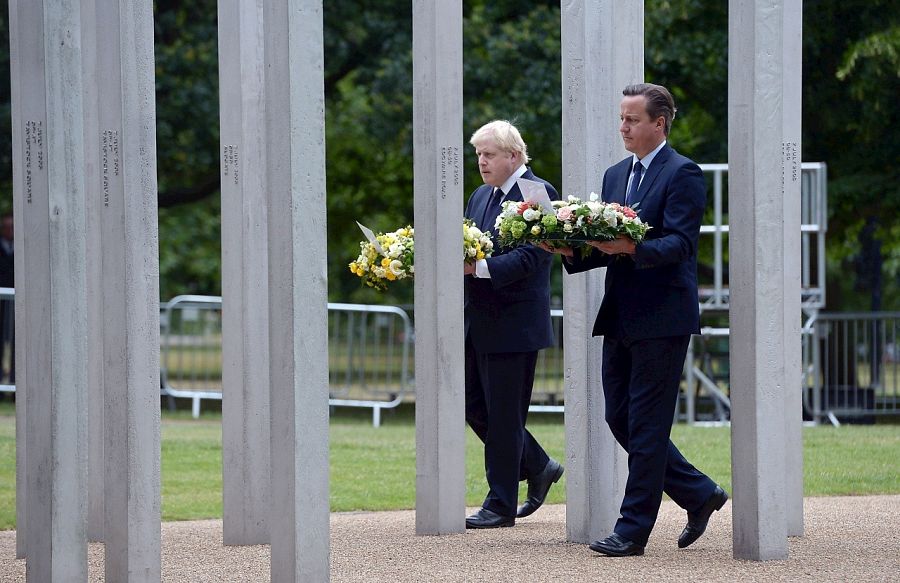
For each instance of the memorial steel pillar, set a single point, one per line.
(126, 197)
(602, 52)
(298, 289)
(757, 284)
(793, 349)
(440, 378)
(94, 274)
(245, 288)
(47, 103)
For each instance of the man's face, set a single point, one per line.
(494, 164)
(640, 133)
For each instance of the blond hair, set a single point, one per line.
(504, 135)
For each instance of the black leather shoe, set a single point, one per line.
(485, 518)
(697, 521)
(538, 486)
(616, 545)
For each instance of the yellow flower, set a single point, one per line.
(385, 262)
(479, 255)
(389, 275)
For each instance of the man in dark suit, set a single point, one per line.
(648, 313)
(507, 320)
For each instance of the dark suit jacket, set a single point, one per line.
(510, 312)
(653, 293)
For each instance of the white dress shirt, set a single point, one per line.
(481, 266)
(645, 162)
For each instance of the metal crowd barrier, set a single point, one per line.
(855, 366)
(548, 393)
(370, 348)
(369, 351)
(7, 329)
(851, 362)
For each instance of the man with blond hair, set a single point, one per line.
(507, 320)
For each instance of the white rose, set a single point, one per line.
(397, 267)
(531, 215)
(567, 227)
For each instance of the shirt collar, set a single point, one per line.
(646, 160)
(507, 186)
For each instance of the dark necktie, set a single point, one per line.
(635, 182)
(492, 210)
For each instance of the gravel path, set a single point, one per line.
(847, 539)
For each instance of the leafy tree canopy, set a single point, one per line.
(512, 71)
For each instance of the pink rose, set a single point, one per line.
(564, 214)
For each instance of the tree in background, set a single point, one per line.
(512, 70)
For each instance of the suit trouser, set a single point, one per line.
(640, 386)
(498, 393)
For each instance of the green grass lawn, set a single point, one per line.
(374, 469)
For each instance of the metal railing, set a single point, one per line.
(7, 328)
(854, 366)
(851, 362)
(850, 369)
(813, 226)
(369, 352)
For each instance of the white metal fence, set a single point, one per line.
(851, 361)
(369, 351)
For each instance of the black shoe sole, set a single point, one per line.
(611, 553)
(482, 526)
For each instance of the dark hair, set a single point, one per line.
(659, 101)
